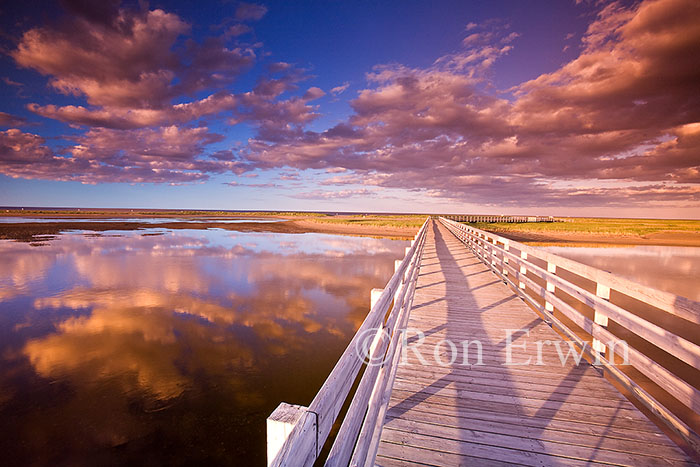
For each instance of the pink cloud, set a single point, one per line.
(238, 30)
(340, 89)
(255, 185)
(10, 120)
(164, 155)
(128, 69)
(9, 82)
(250, 11)
(136, 72)
(626, 109)
(321, 194)
(126, 65)
(313, 93)
(128, 118)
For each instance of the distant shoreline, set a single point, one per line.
(42, 231)
(391, 226)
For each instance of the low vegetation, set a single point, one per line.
(375, 220)
(597, 226)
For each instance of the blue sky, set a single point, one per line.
(495, 106)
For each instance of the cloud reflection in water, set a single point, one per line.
(190, 323)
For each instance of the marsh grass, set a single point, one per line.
(374, 220)
(598, 226)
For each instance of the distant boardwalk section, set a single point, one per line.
(492, 218)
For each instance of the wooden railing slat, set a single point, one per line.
(342, 448)
(675, 304)
(677, 387)
(374, 417)
(308, 436)
(675, 345)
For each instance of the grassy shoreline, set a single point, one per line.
(572, 231)
(598, 226)
(666, 232)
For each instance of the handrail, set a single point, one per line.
(305, 430)
(500, 218)
(494, 250)
(669, 302)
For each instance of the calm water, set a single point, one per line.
(144, 220)
(672, 269)
(171, 347)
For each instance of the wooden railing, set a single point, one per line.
(535, 275)
(296, 435)
(492, 218)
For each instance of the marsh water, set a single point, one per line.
(668, 268)
(163, 347)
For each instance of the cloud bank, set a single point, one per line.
(618, 124)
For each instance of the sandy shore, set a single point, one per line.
(354, 229)
(40, 231)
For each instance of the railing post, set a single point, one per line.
(603, 292)
(374, 296)
(397, 265)
(523, 269)
(552, 269)
(506, 249)
(280, 424)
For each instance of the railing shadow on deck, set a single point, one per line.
(458, 291)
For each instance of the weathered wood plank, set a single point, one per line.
(546, 434)
(578, 426)
(457, 388)
(578, 382)
(522, 454)
(402, 454)
(637, 454)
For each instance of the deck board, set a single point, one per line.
(460, 413)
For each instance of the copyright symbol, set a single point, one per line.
(364, 346)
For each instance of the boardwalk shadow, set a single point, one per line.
(481, 412)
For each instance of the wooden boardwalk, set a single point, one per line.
(458, 413)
